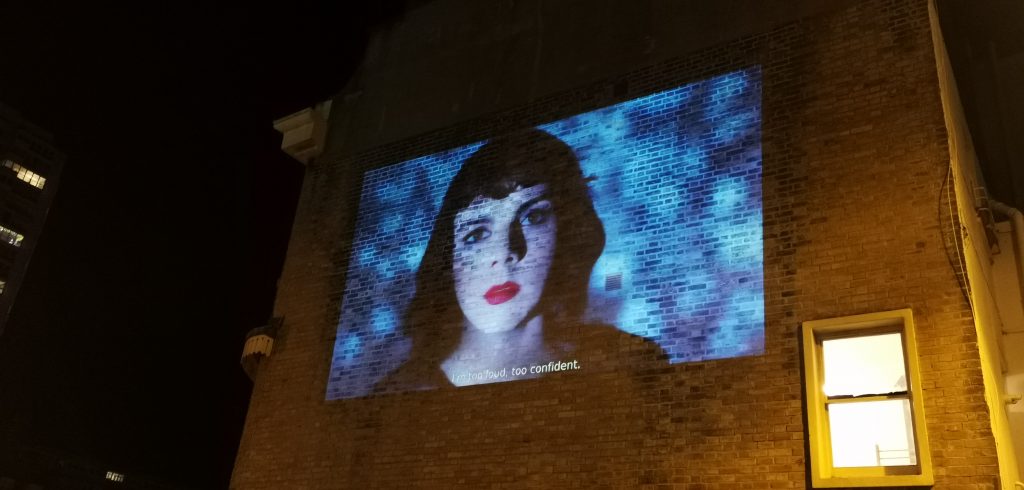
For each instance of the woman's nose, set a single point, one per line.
(516, 248)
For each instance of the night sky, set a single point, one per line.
(171, 220)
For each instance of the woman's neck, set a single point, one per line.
(484, 357)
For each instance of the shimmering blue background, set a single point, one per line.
(678, 188)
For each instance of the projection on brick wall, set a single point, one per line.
(622, 236)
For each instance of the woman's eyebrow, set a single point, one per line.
(526, 205)
(481, 220)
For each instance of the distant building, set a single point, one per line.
(30, 166)
(41, 468)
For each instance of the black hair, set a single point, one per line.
(522, 159)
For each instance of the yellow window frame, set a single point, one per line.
(823, 473)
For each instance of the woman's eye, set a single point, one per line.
(476, 235)
(535, 216)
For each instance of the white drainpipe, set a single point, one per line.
(1017, 221)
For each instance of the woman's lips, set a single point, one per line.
(501, 293)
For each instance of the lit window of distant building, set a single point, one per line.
(2, 285)
(114, 476)
(26, 175)
(10, 236)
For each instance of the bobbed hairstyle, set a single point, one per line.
(518, 160)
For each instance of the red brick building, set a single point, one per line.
(869, 226)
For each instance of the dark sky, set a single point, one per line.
(168, 231)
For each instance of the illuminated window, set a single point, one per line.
(3, 284)
(114, 476)
(10, 236)
(26, 175)
(864, 408)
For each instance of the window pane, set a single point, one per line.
(871, 364)
(878, 433)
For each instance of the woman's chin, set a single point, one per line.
(495, 328)
(506, 324)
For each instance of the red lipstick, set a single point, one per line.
(501, 293)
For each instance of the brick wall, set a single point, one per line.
(854, 157)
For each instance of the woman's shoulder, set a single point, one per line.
(602, 343)
(412, 376)
(602, 333)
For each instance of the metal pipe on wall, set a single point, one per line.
(1017, 222)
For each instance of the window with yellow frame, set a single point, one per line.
(865, 415)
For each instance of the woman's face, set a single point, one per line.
(503, 253)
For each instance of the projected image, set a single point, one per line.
(629, 234)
